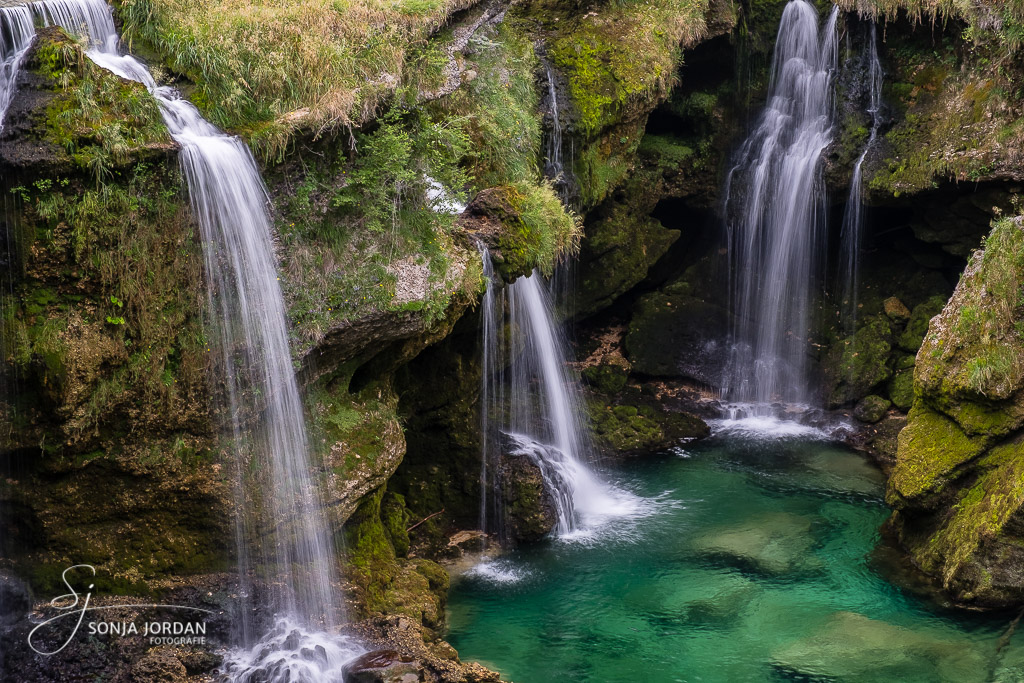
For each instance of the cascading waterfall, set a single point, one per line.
(249, 320)
(16, 32)
(775, 215)
(531, 407)
(853, 217)
(490, 403)
(553, 168)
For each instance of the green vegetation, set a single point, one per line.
(972, 369)
(931, 448)
(270, 67)
(376, 233)
(624, 56)
(539, 230)
(980, 514)
(500, 108)
(100, 120)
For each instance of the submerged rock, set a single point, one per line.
(772, 543)
(844, 472)
(850, 647)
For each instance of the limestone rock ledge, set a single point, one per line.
(956, 485)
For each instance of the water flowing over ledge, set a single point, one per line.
(775, 215)
(249, 323)
(536, 402)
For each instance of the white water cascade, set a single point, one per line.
(775, 216)
(531, 408)
(853, 217)
(249, 321)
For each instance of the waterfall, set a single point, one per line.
(775, 215)
(554, 169)
(249, 321)
(531, 407)
(16, 32)
(853, 218)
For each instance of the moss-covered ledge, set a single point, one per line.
(112, 452)
(956, 480)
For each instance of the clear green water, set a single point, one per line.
(753, 567)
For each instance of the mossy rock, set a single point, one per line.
(896, 310)
(675, 334)
(917, 325)
(622, 242)
(871, 409)
(932, 447)
(956, 480)
(625, 429)
(530, 510)
(970, 365)
(901, 389)
(858, 364)
(608, 377)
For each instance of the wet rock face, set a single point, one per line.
(677, 334)
(957, 480)
(383, 666)
(530, 511)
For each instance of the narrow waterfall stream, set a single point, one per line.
(531, 407)
(853, 217)
(775, 216)
(249, 322)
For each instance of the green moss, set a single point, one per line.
(369, 554)
(931, 448)
(97, 118)
(913, 335)
(860, 363)
(625, 428)
(901, 389)
(871, 408)
(622, 55)
(605, 162)
(980, 514)
(395, 518)
(415, 588)
(607, 378)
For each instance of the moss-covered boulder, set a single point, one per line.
(529, 506)
(524, 227)
(861, 362)
(675, 333)
(625, 427)
(956, 480)
(871, 409)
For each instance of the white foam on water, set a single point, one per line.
(290, 653)
(775, 421)
(766, 427)
(499, 571)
